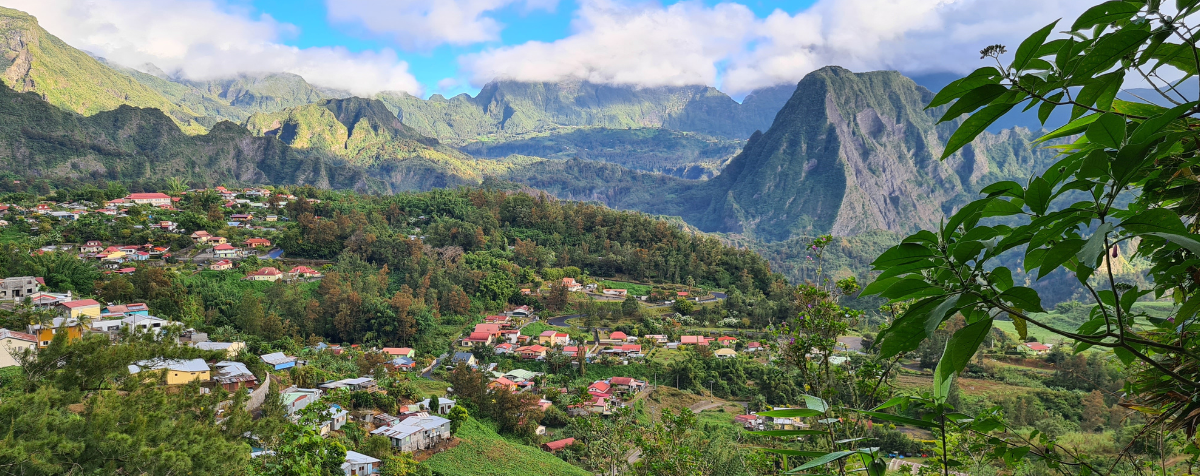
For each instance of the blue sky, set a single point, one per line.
(450, 46)
(521, 25)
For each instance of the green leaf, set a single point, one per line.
(1095, 164)
(1020, 325)
(973, 126)
(973, 100)
(1104, 14)
(940, 313)
(967, 250)
(1091, 251)
(1071, 128)
(830, 457)
(1037, 196)
(1186, 242)
(899, 419)
(1030, 46)
(892, 402)
(1004, 188)
(815, 403)
(959, 350)
(1155, 125)
(909, 288)
(1048, 106)
(791, 413)
(902, 254)
(1022, 297)
(1155, 220)
(957, 88)
(907, 331)
(1057, 255)
(1124, 355)
(1001, 277)
(1136, 108)
(1108, 131)
(1108, 49)
(1001, 208)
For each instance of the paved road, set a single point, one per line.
(561, 321)
(429, 373)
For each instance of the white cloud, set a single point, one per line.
(206, 39)
(424, 24)
(649, 44)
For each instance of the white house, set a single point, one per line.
(416, 433)
(359, 464)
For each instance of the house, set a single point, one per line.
(477, 338)
(503, 384)
(521, 375)
(358, 464)
(165, 225)
(178, 372)
(493, 329)
(267, 273)
(443, 405)
(600, 388)
(133, 322)
(399, 351)
(753, 347)
(725, 353)
(618, 335)
(521, 311)
(12, 344)
(571, 285)
(464, 358)
(232, 349)
(749, 422)
(497, 320)
(258, 242)
(226, 250)
(510, 335)
(139, 308)
(201, 236)
(91, 247)
(504, 348)
(659, 338)
(693, 340)
(272, 218)
(626, 385)
(406, 364)
(416, 433)
(1037, 347)
(726, 341)
(222, 265)
(301, 272)
(571, 350)
(233, 376)
(19, 288)
(532, 352)
(45, 333)
(354, 384)
(296, 399)
(598, 404)
(152, 199)
(79, 308)
(279, 361)
(558, 444)
(241, 217)
(553, 339)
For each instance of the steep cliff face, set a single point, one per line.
(33, 60)
(854, 152)
(511, 108)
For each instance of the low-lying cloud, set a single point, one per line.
(648, 44)
(204, 39)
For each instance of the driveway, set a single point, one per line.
(561, 321)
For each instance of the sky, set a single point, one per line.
(447, 47)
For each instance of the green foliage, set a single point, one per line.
(482, 451)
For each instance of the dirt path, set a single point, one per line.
(701, 406)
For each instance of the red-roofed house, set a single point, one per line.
(477, 338)
(571, 351)
(1038, 347)
(503, 384)
(626, 385)
(571, 284)
(618, 335)
(600, 388)
(154, 199)
(726, 340)
(693, 340)
(531, 352)
(504, 348)
(399, 351)
(258, 242)
(268, 273)
(305, 272)
(225, 250)
(493, 329)
(753, 347)
(82, 307)
(558, 445)
(91, 247)
(221, 265)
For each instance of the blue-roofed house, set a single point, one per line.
(279, 361)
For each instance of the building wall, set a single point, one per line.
(47, 335)
(175, 377)
(10, 347)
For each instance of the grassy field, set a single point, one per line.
(968, 386)
(1070, 320)
(483, 452)
(11, 235)
(431, 387)
(634, 289)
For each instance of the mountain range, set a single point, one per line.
(840, 152)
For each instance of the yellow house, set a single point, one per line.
(79, 308)
(725, 353)
(12, 344)
(45, 333)
(178, 372)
